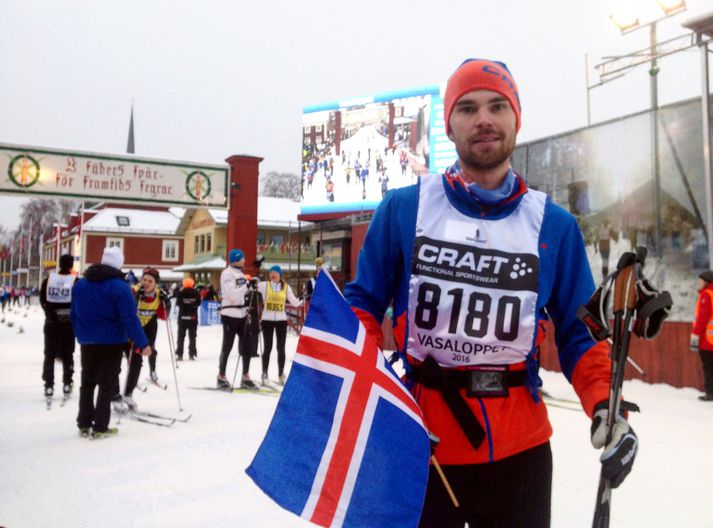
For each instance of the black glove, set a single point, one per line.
(618, 456)
(253, 282)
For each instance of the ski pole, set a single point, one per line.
(235, 375)
(171, 349)
(624, 308)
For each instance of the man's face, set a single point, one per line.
(274, 276)
(482, 126)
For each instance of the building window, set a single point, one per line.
(208, 242)
(115, 242)
(195, 244)
(260, 238)
(277, 239)
(170, 250)
(122, 221)
(202, 243)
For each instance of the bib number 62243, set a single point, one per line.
(478, 312)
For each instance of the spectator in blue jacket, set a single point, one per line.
(104, 318)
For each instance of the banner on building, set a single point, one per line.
(111, 177)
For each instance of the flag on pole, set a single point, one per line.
(346, 445)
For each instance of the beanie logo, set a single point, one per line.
(492, 70)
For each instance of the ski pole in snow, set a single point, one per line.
(637, 308)
(172, 349)
(235, 374)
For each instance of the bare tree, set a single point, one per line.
(280, 185)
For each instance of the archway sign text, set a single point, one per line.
(29, 170)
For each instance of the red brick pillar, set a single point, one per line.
(242, 208)
(391, 127)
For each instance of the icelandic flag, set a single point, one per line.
(346, 445)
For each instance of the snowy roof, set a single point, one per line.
(216, 263)
(167, 275)
(121, 220)
(270, 212)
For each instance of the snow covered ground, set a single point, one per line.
(192, 475)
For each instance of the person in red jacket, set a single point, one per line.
(702, 331)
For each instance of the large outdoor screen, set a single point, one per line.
(354, 151)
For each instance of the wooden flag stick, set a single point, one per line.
(444, 480)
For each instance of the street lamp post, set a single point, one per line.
(702, 26)
(655, 162)
(615, 67)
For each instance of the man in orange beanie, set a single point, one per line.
(471, 261)
(188, 300)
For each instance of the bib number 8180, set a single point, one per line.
(477, 319)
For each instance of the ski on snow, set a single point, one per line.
(261, 390)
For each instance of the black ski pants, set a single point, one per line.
(59, 343)
(511, 493)
(233, 326)
(190, 327)
(100, 367)
(707, 363)
(136, 360)
(279, 328)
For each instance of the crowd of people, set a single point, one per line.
(251, 310)
(365, 168)
(11, 296)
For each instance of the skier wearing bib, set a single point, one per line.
(472, 261)
(235, 291)
(150, 308)
(56, 301)
(276, 293)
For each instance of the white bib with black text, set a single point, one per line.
(473, 287)
(59, 288)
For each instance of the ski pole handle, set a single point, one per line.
(625, 289)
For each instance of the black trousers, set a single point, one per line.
(100, 367)
(189, 326)
(59, 343)
(511, 493)
(279, 328)
(233, 326)
(707, 363)
(136, 360)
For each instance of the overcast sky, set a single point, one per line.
(214, 78)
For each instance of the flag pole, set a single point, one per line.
(444, 480)
(29, 253)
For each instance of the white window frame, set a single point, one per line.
(115, 242)
(165, 250)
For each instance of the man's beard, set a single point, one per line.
(489, 160)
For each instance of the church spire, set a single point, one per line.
(130, 142)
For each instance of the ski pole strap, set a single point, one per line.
(652, 309)
(591, 316)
